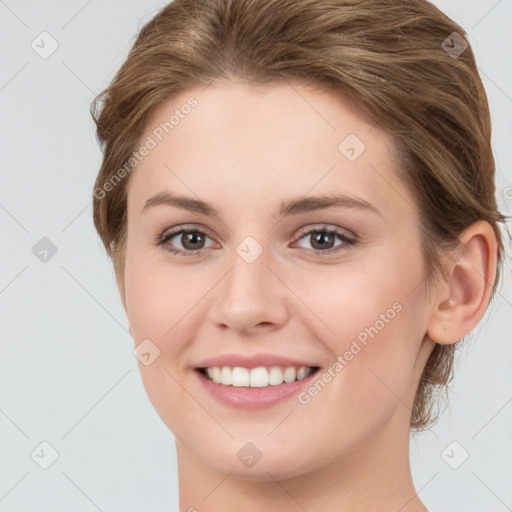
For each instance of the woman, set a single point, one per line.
(298, 197)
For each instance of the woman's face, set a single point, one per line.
(256, 283)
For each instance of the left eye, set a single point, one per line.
(322, 239)
(193, 240)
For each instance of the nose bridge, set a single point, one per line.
(249, 279)
(250, 293)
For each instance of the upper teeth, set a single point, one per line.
(256, 377)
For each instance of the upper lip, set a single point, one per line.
(253, 361)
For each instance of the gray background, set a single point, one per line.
(68, 376)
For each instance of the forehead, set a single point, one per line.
(264, 143)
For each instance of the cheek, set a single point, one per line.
(157, 296)
(373, 323)
(373, 358)
(160, 308)
(358, 300)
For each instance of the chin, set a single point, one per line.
(259, 460)
(277, 467)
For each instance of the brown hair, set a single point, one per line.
(395, 61)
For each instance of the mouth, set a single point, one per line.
(259, 377)
(254, 381)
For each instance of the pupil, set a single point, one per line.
(320, 239)
(191, 238)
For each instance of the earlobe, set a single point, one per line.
(470, 279)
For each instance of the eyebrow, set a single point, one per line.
(288, 207)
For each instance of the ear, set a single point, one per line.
(462, 298)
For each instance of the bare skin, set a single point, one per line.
(245, 149)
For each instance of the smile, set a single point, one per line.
(259, 377)
(254, 381)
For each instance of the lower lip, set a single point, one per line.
(253, 398)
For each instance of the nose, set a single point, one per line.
(251, 297)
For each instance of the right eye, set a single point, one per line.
(192, 241)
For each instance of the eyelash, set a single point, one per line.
(162, 239)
